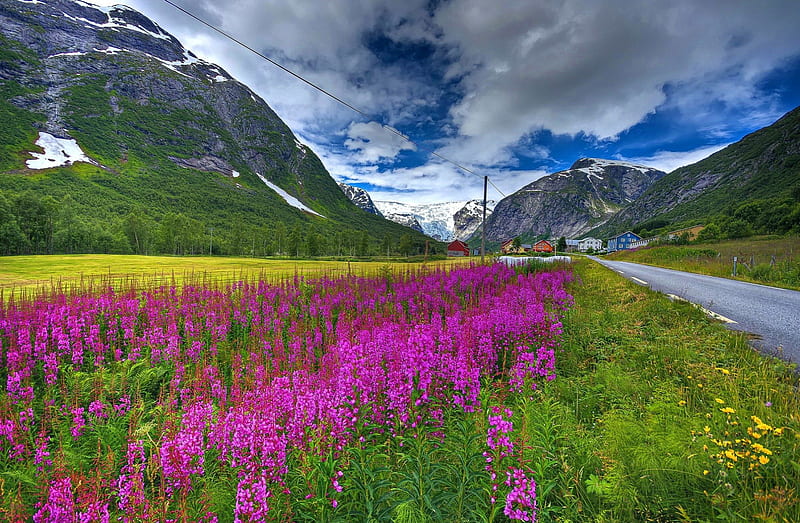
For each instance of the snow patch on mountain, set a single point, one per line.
(291, 200)
(57, 152)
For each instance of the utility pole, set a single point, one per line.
(483, 223)
(211, 245)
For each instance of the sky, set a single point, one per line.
(513, 90)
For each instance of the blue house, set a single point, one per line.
(622, 242)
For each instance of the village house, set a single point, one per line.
(573, 245)
(507, 247)
(590, 243)
(458, 248)
(543, 246)
(622, 241)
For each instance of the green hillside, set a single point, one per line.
(178, 153)
(752, 186)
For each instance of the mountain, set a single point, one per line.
(151, 148)
(407, 220)
(571, 202)
(360, 197)
(437, 219)
(467, 220)
(761, 169)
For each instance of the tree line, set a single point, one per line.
(30, 224)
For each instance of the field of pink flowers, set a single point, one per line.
(394, 397)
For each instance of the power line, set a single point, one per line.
(323, 91)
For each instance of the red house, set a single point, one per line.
(543, 246)
(458, 248)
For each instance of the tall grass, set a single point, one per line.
(660, 414)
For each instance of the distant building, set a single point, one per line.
(543, 246)
(458, 248)
(507, 247)
(623, 241)
(590, 243)
(573, 245)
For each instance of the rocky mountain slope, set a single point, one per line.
(444, 221)
(159, 131)
(360, 197)
(571, 202)
(762, 165)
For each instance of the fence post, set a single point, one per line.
(735, 259)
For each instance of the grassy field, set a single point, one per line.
(28, 273)
(660, 414)
(774, 261)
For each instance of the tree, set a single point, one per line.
(138, 228)
(363, 244)
(516, 243)
(736, 228)
(313, 244)
(561, 244)
(294, 241)
(711, 232)
(406, 244)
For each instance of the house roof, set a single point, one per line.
(624, 233)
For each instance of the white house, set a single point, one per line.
(590, 243)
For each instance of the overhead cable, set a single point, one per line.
(323, 91)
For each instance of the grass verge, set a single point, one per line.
(660, 414)
(772, 261)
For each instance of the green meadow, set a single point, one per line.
(65, 272)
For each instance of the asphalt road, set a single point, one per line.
(772, 315)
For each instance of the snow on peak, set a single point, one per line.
(115, 22)
(291, 200)
(57, 152)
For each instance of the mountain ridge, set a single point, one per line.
(169, 133)
(763, 165)
(570, 202)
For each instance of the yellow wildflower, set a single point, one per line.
(778, 431)
(681, 403)
(728, 410)
(705, 473)
(763, 460)
(719, 401)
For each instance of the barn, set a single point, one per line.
(458, 248)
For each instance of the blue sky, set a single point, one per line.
(513, 90)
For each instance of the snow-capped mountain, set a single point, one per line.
(570, 202)
(467, 220)
(361, 198)
(438, 220)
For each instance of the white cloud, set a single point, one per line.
(515, 68)
(668, 161)
(374, 142)
(601, 67)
